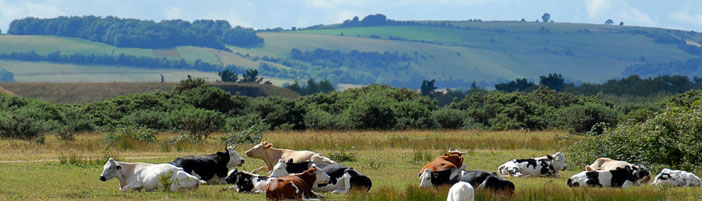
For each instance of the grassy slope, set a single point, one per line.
(395, 153)
(6, 92)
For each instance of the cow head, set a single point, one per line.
(321, 176)
(111, 169)
(455, 157)
(425, 179)
(233, 177)
(632, 178)
(669, 177)
(235, 159)
(642, 173)
(259, 150)
(559, 162)
(279, 169)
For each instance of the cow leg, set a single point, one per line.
(130, 187)
(255, 171)
(345, 184)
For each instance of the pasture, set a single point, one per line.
(62, 170)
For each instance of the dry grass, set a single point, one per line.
(71, 93)
(6, 92)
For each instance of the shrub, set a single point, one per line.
(672, 138)
(147, 119)
(19, 126)
(449, 118)
(581, 118)
(252, 135)
(131, 133)
(342, 155)
(199, 123)
(244, 122)
(371, 112)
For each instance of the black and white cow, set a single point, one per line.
(246, 182)
(342, 180)
(479, 178)
(544, 166)
(211, 168)
(677, 178)
(619, 178)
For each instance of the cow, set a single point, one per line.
(618, 178)
(544, 166)
(461, 191)
(270, 155)
(678, 178)
(451, 159)
(246, 182)
(211, 168)
(342, 179)
(138, 176)
(479, 178)
(608, 164)
(297, 186)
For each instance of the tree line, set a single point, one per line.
(121, 32)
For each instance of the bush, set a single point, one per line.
(252, 135)
(19, 126)
(342, 155)
(672, 139)
(371, 112)
(449, 118)
(147, 119)
(199, 123)
(581, 118)
(131, 133)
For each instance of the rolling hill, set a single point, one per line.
(455, 53)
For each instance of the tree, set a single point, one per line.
(523, 20)
(428, 87)
(522, 85)
(609, 22)
(621, 23)
(6, 76)
(251, 76)
(553, 81)
(546, 17)
(228, 76)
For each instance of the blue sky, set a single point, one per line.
(676, 14)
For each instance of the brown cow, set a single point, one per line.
(452, 159)
(297, 186)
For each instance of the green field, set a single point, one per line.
(58, 170)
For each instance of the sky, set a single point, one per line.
(260, 14)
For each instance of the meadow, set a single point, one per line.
(61, 170)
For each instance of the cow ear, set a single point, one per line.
(119, 167)
(549, 157)
(268, 145)
(290, 161)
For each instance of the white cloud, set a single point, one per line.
(173, 13)
(595, 7)
(687, 17)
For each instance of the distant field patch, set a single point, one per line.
(166, 53)
(191, 54)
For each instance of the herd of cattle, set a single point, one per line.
(301, 174)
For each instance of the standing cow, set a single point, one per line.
(643, 175)
(544, 166)
(211, 168)
(270, 155)
(676, 178)
(138, 176)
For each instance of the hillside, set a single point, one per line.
(6, 92)
(71, 93)
(455, 53)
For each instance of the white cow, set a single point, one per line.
(677, 178)
(461, 191)
(544, 166)
(138, 176)
(619, 178)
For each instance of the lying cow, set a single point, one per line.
(678, 178)
(138, 176)
(211, 168)
(608, 164)
(544, 166)
(270, 155)
(479, 178)
(342, 180)
(452, 159)
(297, 186)
(247, 182)
(461, 191)
(618, 178)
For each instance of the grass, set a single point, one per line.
(70, 169)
